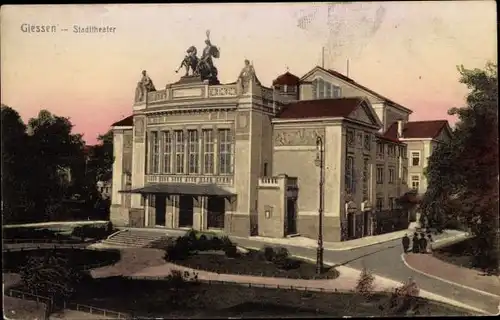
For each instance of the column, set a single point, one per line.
(146, 211)
(216, 151)
(197, 215)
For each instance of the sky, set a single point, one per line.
(406, 51)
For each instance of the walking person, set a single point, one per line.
(406, 243)
(423, 243)
(415, 245)
(429, 243)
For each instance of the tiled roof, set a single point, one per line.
(415, 129)
(287, 79)
(320, 108)
(423, 129)
(347, 79)
(126, 122)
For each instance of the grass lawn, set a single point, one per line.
(252, 263)
(461, 254)
(149, 298)
(20, 309)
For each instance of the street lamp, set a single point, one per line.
(320, 162)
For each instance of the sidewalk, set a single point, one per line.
(346, 281)
(436, 268)
(346, 245)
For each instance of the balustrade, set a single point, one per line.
(197, 179)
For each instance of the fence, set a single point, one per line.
(49, 304)
(62, 241)
(255, 285)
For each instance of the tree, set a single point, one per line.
(57, 154)
(15, 169)
(52, 275)
(463, 173)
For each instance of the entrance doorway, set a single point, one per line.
(160, 203)
(291, 216)
(350, 225)
(366, 223)
(185, 211)
(216, 209)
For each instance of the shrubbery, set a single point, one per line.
(403, 300)
(281, 258)
(93, 232)
(365, 283)
(183, 246)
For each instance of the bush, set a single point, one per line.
(281, 254)
(269, 253)
(231, 251)
(365, 283)
(404, 299)
(176, 251)
(287, 264)
(216, 243)
(226, 241)
(203, 243)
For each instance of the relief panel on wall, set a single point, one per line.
(139, 124)
(297, 137)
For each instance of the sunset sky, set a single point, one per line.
(407, 51)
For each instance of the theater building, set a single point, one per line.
(243, 158)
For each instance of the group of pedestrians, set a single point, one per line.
(419, 243)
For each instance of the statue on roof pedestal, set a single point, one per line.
(206, 68)
(246, 74)
(144, 86)
(190, 61)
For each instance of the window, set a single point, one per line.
(365, 178)
(350, 137)
(321, 89)
(415, 158)
(265, 169)
(325, 90)
(392, 172)
(380, 149)
(208, 151)
(402, 152)
(179, 151)
(367, 142)
(225, 152)
(415, 182)
(380, 174)
(391, 150)
(405, 174)
(167, 152)
(155, 152)
(193, 151)
(391, 203)
(379, 204)
(349, 174)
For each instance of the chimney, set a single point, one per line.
(400, 128)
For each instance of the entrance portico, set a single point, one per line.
(185, 206)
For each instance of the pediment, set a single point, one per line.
(365, 113)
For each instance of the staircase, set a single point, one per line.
(133, 238)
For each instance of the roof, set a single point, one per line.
(181, 189)
(423, 129)
(287, 79)
(320, 108)
(347, 79)
(126, 122)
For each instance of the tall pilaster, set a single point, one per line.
(138, 158)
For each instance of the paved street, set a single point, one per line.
(385, 260)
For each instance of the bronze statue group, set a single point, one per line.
(419, 243)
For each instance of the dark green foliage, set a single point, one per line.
(216, 243)
(53, 275)
(58, 169)
(92, 232)
(231, 251)
(269, 253)
(365, 284)
(403, 301)
(463, 172)
(281, 254)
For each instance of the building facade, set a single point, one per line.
(242, 157)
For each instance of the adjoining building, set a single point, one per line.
(240, 157)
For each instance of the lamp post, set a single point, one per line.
(321, 164)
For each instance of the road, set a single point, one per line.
(384, 259)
